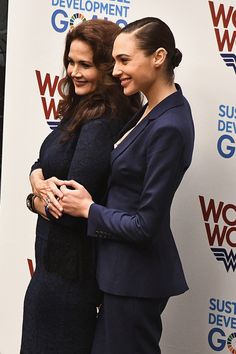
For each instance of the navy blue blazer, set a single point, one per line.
(137, 255)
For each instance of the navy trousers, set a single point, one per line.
(128, 325)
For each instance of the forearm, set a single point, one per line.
(115, 224)
(36, 177)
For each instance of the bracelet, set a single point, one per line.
(30, 202)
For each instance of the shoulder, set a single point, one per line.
(106, 124)
(175, 117)
(174, 125)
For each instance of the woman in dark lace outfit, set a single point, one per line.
(62, 296)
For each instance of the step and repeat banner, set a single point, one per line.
(203, 320)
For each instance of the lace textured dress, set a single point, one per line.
(61, 299)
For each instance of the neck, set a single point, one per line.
(158, 92)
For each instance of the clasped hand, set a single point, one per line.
(76, 200)
(61, 196)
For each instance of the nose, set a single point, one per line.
(75, 72)
(116, 70)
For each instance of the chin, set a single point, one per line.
(128, 91)
(81, 92)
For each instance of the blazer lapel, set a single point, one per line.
(175, 99)
(132, 122)
(129, 139)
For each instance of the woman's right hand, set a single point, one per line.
(47, 190)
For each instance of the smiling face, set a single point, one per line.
(81, 68)
(135, 70)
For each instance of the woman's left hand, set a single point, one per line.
(76, 201)
(39, 207)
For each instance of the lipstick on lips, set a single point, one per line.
(124, 82)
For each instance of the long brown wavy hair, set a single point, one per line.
(108, 96)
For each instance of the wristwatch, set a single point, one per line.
(30, 202)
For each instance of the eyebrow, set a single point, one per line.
(121, 55)
(81, 60)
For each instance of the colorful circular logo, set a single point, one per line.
(229, 343)
(76, 19)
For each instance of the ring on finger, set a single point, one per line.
(47, 200)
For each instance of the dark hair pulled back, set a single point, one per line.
(152, 33)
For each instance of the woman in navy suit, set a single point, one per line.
(138, 263)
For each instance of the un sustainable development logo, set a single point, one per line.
(222, 322)
(69, 13)
(220, 226)
(224, 22)
(226, 125)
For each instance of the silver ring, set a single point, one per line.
(47, 200)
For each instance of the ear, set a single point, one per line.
(159, 57)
